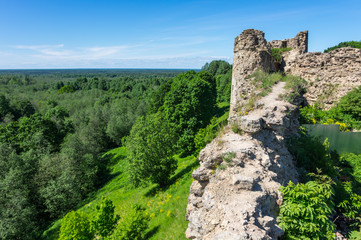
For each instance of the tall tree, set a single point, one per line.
(150, 151)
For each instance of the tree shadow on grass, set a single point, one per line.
(172, 180)
(151, 232)
(220, 111)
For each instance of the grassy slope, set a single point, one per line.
(167, 207)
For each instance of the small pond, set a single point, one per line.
(340, 141)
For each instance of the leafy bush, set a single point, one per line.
(311, 154)
(132, 226)
(75, 226)
(306, 210)
(353, 44)
(350, 206)
(105, 220)
(350, 104)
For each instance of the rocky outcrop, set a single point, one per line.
(330, 75)
(235, 194)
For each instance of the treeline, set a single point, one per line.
(353, 44)
(51, 141)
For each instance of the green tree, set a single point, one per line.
(66, 89)
(189, 106)
(217, 67)
(4, 106)
(18, 214)
(75, 226)
(105, 220)
(151, 146)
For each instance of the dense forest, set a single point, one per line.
(56, 126)
(108, 154)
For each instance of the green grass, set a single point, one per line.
(167, 207)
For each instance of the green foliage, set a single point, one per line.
(306, 210)
(207, 134)
(4, 106)
(264, 81)
(59, 138)
(66, 89)
(354, 44)
(224, 83)
(351, 168)
(350, 205)
(18, 213)
(347, 112)
(228, 157)
(75, 226)
(296, 86)
(189, 106)
(311, 154)
(277, 53)
(217, 67)
(350, 104)
(133, 225)
(157, 99)
(150, 147)
(105, 220)
(355, 235)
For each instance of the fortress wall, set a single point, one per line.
(330, 75)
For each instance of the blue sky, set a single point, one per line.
(159, 34)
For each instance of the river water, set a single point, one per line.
(340, 141)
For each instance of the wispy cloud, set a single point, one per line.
(52, 50)
(171, 52)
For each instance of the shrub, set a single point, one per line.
(306, 210)
(105, 220)
(75, 226)
(132, 226)
(350, 206)
(311, 154)
(351, 104)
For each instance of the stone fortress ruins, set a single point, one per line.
(241, 201)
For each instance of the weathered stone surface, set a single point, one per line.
(242, 181)
(251, 52)
(241, 201)
(251, 124)
(330, 75)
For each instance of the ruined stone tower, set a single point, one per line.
(241, 199)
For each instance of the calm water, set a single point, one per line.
(340, 141)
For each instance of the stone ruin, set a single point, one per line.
(241, 200)
(329, 75)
